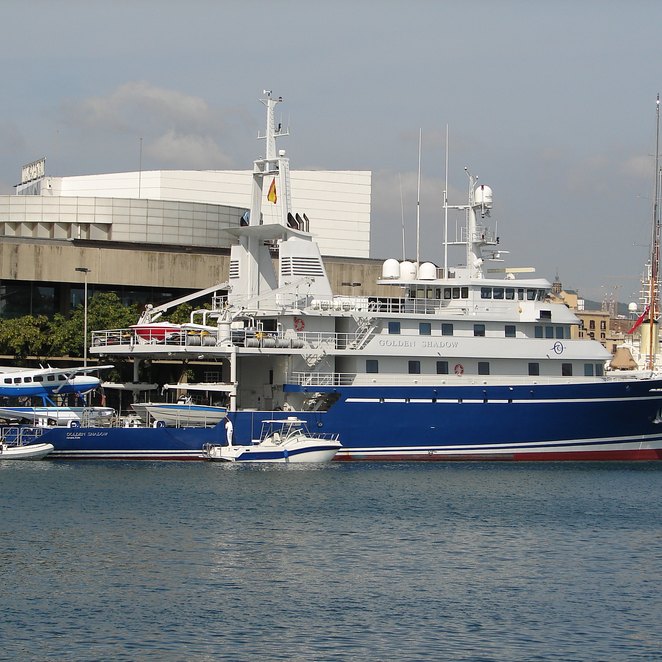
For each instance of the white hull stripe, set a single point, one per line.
(531, 401)
(650, 442)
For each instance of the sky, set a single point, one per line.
(552, 104)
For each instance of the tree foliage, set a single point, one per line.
(63, 336)
(25, 336)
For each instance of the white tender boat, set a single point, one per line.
(22, 443)
(183, 414)
(285, 440)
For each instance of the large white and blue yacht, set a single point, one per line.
(462, 362)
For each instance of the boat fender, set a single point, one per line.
(74, 424)
(299, 324)
(459, 369)
(159, 424)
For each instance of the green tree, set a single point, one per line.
(25, 336)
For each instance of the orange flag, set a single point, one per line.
(271, 196)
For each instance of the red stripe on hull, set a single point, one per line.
(646, 455)
(593, 456)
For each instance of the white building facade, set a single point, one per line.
(184, 208)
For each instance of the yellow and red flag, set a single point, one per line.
(271, 196)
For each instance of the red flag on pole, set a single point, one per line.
(640, 320)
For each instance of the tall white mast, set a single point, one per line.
(418, 204)
(654, 306)
(446, 211)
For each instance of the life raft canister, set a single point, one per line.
(299, 324)
(459, 369)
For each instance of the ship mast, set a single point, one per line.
(653, 294)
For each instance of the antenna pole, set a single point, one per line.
(655, 258)
(418, 203)
(446, 211)
(402, 214)
(140, 167)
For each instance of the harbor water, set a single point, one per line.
(458, 561)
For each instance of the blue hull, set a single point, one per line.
(596, 421)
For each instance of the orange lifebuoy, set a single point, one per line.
(459, 369)
(299, 324)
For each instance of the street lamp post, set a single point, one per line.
(84, 271)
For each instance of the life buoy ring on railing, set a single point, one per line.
(459, 369)
(299, 324)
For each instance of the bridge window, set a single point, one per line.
(599, 370)
(425, 329)
(40, 378)
(588, 370)
(510, 293)
(560, 333)
(372, 366)
(394, 328)
(414, 367)
(483, 367)
(534, 369)
(479, 330)
(442, 367)
(497, 293)
(549, 332)
(7, 380)
(538, 332)
(446, 329)
(18, 380)
(511, 331)
(566, 369)
(485, 292)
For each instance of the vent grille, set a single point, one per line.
(301, 266)
(234, 269)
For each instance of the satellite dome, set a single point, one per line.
(391, 269)
(427, 271)
(483, 195)
(632, 307)
(407, 270)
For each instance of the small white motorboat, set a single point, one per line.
(24, 452)
(284, 440)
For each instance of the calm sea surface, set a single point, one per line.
(196, 561)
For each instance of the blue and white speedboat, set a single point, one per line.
(459, 362)
(281, 441)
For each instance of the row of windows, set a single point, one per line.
(442, 367)
(439, 293)
(510, 330)
(36, 378)
(510, 293)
